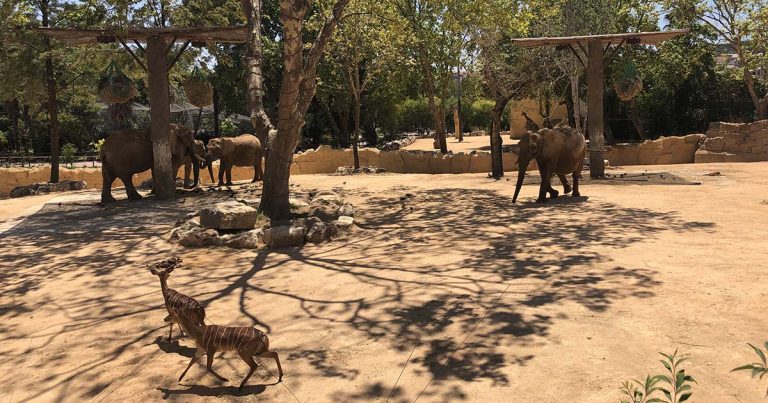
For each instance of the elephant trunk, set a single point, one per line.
(209, 164)
(523, 166)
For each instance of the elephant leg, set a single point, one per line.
(129, 189)
(106, 186)
(222, 167)
(544, 188)
(564, 181)
(229, 174)
(196, 173)
(576, 177)
(255, 173)
(187, 169)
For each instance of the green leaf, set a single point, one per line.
(766, 345)
(685, 397)
(743, 368)
(759, 353)
(667, 394)
(665, 379)
(654, 400)
(666, 364)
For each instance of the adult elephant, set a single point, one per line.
(129, 151)
(193, 164)
(242, 151)
(559, 151)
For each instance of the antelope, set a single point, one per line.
(174, 299)
(247, 341)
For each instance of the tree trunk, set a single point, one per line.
(497, 160)
(216, 124)
(356, 139)
(634, 111)
(331, 121)
(595, 85)
(52, 104)
(576, 101)
(12, 110)
(439, 118)
(296, 92)
(163, 181)
(254, 77)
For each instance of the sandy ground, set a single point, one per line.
(470, 143)
(458, 295)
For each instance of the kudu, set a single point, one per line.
(174, 299)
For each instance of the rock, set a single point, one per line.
(229, 215)
(716, 144)
(193, 235)
(345, 223)
(316, 233)
(22, 191)
(284, 236)
(346, 209)
(325, 206)
(297, 202)
(253, 239)
(65, 186)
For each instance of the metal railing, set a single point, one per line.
(79, 161)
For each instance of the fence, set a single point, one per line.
(40, 160)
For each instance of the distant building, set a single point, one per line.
(727, 57)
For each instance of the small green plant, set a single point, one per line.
(229, 128)
(96, 145)
(674, 385)
(758, 369)
(68, 152)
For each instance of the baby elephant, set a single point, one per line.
(559, 151)
(243, 151)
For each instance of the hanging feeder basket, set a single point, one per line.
(628, 84)
(114, 86)
(198, 89)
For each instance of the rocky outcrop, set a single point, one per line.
(664, 150)
(45, 187)
(395, 145)
(735, 142)
(229, 215)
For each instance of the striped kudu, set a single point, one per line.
(174, 299)
(247, 341)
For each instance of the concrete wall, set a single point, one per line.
(735, 142)
(665, 150)
(323, 160)
(531, 107)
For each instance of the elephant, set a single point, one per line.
(129, 151)
(192, 164)
(243, 151)
(558, 152)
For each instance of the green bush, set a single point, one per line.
(758, 369)
(96, 145)
(229, 128)
(413, 115)
(674, 384)
(68, 152)
(477, 115)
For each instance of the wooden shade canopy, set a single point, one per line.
(638, 38)
(596, 50)
(158, 44)
(81, 36)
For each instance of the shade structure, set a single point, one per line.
(640, 38)
(81, 36)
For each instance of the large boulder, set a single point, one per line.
(192, 234)
(229, 215)
(284, 236)
(253, 239)
(22, 191)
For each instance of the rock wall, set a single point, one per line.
(323, 160)
(665, 150)
(735, 142)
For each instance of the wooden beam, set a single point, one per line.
(595, 88)
(178, 55)
(136, 58)
(138, 44)
(170, 45)
(163, 179)
(609, 59)
(578, 56)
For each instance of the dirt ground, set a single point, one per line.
(455, 295)
(470, 143)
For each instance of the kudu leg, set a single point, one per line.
(251, 363)
(198, 353)
(210, 369)
(272, 354)
(170, 331)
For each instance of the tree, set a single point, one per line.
(363, 52)
(296, 92)
(254, 77)
(741, 24)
